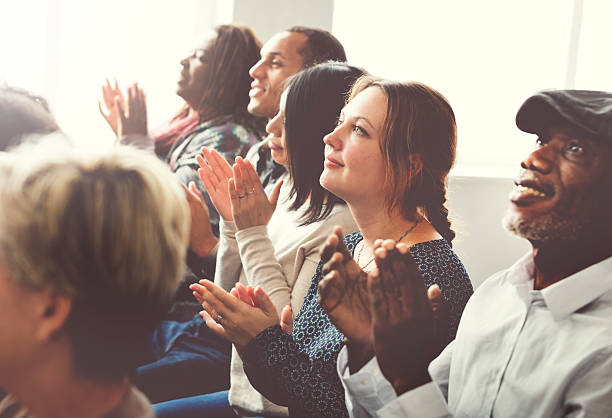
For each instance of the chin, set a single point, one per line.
(547, 227)
(327, 183)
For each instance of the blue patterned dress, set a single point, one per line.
(299, 370)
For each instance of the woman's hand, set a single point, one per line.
(244, 294)
(228, 316)
(133, 117)
(215, 173)
(250, 205)
(110, 95)
(201, 239)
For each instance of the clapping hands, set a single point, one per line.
(238, 317)
(409, 323)
(386, 312)
(236, 191)
(125, 117)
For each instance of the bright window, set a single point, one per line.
(485, 56)
(64, 49)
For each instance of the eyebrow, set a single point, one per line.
(274, 53)
(366, 120)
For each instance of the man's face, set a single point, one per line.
(280, 59)
(563, 189)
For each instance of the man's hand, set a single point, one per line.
(342, 295)
(201, 239)
(408, 333)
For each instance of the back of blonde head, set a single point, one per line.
(108, 229)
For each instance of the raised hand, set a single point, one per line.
(111, 94)
(133, 116)
(230, 317)
(201, 239)
(249, 203)
(215, 173)
(408, 334)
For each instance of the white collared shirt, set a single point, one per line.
(519, 352)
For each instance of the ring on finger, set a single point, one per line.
(242, 196)
(218, 319)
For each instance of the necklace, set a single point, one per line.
(409, 230)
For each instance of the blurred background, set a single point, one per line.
(485, 56)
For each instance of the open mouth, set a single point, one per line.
(256, 90)
(526, 191)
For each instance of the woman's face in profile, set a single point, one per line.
(354, 167)
(196, 65)
(276, 130)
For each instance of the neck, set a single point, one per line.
(378, 223)
(53, 390)
(556, 260)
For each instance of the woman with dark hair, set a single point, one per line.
(274, 242)
(215, 84)
(388, 158)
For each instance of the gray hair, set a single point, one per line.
(108, 229)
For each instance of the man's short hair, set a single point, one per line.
(321, 46)
(107, 229)
(22, 113)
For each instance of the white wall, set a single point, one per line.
(267, 17)
(476, 206)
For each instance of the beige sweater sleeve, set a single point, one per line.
(261, 266)
(228, 263)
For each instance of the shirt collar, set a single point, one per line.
(578, 290)
(521, 272)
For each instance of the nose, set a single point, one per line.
(275, 126)
(334, 139)
(540, 159)
(184, 61)
(255, 70)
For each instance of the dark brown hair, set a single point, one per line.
(226, 91)
(315, 97)
(320, 47)
(420, 123)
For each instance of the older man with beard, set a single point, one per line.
(536, 339)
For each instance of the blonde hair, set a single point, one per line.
(108, 229)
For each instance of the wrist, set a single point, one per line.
(406, 383)
(359, 353)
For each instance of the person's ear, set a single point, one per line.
(53, 310)
(416, 164)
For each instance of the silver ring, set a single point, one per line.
(242, 196)
(219, 318)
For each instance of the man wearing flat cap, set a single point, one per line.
(535, 340)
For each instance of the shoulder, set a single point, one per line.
(437, 261)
